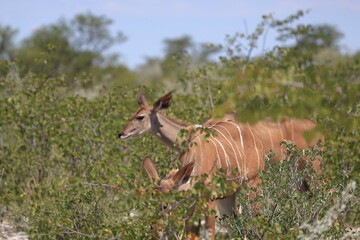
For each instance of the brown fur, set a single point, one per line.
(290, 129)
(265, 135)
(230, 146)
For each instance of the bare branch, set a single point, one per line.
(71, 231)
(210, 96)
(106, 186)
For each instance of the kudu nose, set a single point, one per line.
(120, 134)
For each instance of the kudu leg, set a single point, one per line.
(306, 186)
(254, 183)
(192, 231)
(210, 220)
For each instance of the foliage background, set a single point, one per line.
(65, 175)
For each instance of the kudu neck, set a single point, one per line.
(166, 129)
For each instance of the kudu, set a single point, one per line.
(228, 146)
(150, 119)
(268, 134)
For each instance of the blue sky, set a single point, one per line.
(147, 23)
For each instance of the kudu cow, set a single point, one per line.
(236, 146)
(150, 119)
(228, 146)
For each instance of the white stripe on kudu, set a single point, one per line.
(201, 154)
(236, 145)
(243, 156)
(256, 149)
(217, 154)
(231, 138)
(227, 160)
(231, 144)
(271, 138)
(239, 130)
(292, 130)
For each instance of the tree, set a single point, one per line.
(91, 33)
(178, 45)
(48, 50)
(7, 35)
(318, 37)
(182, 52)
(206, 50)
(310, 40)
(72, 47)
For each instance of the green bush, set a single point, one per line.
(65, 175)
(285, 211)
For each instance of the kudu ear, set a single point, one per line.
(150, 169)
(163, 102)
(141, 100)
(183, 173)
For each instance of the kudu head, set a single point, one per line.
(176, 179)
(143, 119)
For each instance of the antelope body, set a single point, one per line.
(151, 119)
(232, 146)
(272, 134)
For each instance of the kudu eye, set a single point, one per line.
(139, 118)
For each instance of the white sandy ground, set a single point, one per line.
(8, 232)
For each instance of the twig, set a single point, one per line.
(210, 96)
(106, 186)
(76, 232)
(178, 203)
(175, 235)
(264, 39)
(272, 215)
(291, 84)
(317, 228)
(246, 27)
(100, 184)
